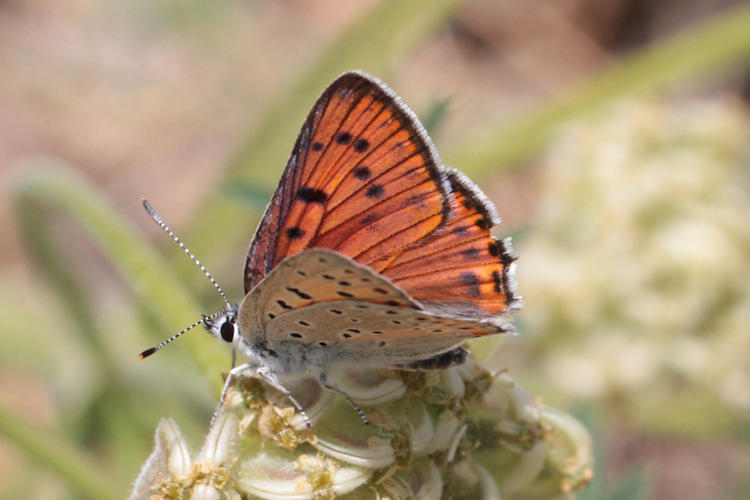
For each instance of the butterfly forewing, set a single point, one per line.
(363, 179)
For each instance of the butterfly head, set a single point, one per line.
(223, 325)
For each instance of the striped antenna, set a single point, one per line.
(150, 351)
(164, 226)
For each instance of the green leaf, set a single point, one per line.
(45, 185)
(80, 471)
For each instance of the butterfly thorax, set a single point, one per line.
(249, 341)
(287, 360)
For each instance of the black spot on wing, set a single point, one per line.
(471, 280)
(311, 195)
(374, 191)
(299, 293)
(470, 253)
(294, 233)
(361, 145)
(483, 223)
(344, 138)
(494, 248)
(362, 173)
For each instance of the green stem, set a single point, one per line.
(33, 223)
(719, 42)
(79, 470)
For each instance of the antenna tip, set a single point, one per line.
(149, 209)
(147, 353)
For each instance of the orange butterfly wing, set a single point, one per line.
(364, 179)
(460, 268)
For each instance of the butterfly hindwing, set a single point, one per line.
(460, 268)
(324, 301)
(368, 333)
(363, 179)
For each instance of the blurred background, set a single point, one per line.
(611, 134)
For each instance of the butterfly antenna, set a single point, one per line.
(150, 351)
(166, 229)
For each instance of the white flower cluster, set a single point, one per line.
(458, 433)
(636, 271)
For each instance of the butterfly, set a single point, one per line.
(370, 252)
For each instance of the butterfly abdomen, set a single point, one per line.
(442, 361)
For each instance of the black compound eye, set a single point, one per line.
(227, 331)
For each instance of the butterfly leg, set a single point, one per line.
(323, 381)
(266, 374)
(234, 372)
